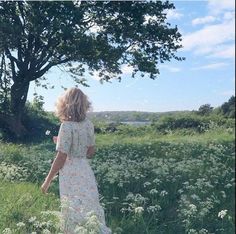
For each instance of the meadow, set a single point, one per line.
(149, 183)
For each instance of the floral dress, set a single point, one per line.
(77, 183)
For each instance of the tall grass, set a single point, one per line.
(177, 182)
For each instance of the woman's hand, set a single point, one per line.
(54, 139)
(45, 186)
(90, 152)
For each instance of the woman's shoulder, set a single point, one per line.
(69, 122)
(66, 124)
(90, 122)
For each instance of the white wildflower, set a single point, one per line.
(77, 3)
(163, 193)
(7, 231)
(37, 224)
(49, 223)
(203, 231)
(196, 197)
(153, 208)
(118, 230)
(153, 191)
(47, 132)
(222, 213)
(146, 184)
(223, 194)
(20, 224)
(180, 191)
(32, 219)
(130, 196)
(80, 230)
(192, 231)
(193, 207)
(138, 210)
(228, 186)
(46, 231)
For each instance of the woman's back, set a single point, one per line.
(77, 183)
(75, 137)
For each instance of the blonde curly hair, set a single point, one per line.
(73, 105)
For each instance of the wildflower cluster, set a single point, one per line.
(161, 186)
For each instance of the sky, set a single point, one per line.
(207, 76)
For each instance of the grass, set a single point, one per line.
(19, 201)
(167, 173)
(219, 135)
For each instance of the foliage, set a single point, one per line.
(37, 121)
(194, 122)
(86, 35)
(35, 27)
(23, 206)
(129, 116)
(121, 116)
(228, 108)
(160, 185)
(205, 109)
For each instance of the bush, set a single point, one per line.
(104, 127)
(37, 122)
(196, 123)
(228, 108)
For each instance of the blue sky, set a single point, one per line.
(206, 76)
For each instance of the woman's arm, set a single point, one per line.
(57, 164)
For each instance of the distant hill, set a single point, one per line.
(227, 109)
(129, 116)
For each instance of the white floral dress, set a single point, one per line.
(77, 183)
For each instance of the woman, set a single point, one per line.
(75, 144)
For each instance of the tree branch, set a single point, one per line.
(19, 22)
(19, 52)
(42, 72)
(20, 6)
(46, 68)
(13, 60)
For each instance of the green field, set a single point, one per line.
(148, 183)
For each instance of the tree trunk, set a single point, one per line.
(19, 91)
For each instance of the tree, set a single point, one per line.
(95, 35)
(5, 83)
(205, 109)
(228, 108)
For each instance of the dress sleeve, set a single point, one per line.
(64, 139)
(91, 135)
